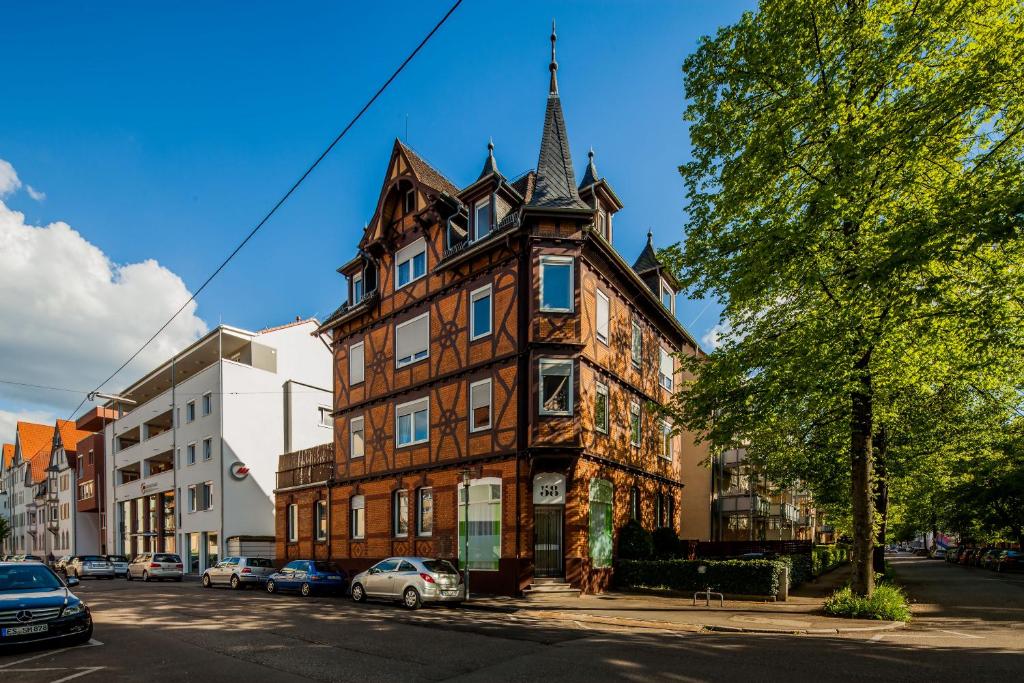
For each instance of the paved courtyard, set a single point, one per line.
(969, 621)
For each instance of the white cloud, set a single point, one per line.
(10, 419)
(35, 194)
(717, 335)
(69, 316)
(9, 181)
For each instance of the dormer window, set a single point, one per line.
(410, 263)
(410, 201)
(482, 219)
(668, 296)
(357, 288)
(603, 223)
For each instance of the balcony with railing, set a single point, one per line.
(745, 502)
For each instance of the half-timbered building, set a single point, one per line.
(497, 372)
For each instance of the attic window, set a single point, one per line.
(357, 288)
(482, 218)
(410, 201)
(668, 297)
(602, 225)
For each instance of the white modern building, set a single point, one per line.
(192, 457)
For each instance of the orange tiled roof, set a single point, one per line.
(70, 435)
(8, 454)
(36, 442)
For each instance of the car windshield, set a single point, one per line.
(28, 578)
(93, 558)
(258, 562)
(166, 558)
(117, 558)
(326, 567)
(439, 566)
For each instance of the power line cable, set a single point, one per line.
(281, 201)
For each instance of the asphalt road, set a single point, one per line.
(971, 628)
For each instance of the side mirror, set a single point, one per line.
(72, 582)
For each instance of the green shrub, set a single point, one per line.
(635, 542)
(744, 577)
(827, 557)
(887, 603)
(800, 568)
(667, 545)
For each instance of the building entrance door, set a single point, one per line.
(547, 546)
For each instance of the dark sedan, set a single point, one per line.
(37, 606)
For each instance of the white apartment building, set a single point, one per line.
(192, 457)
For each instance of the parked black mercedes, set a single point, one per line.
(37, 606)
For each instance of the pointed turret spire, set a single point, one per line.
(553, 86)
(590, 175)
(490, 165)
(555, 186)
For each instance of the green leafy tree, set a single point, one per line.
(855, 202)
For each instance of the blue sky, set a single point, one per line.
(164, 132)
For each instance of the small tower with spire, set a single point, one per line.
(598, 194)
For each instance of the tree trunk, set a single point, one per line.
(863, 580)
(881, 499)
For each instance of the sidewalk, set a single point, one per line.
(801, 614)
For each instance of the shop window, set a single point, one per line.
(482, 502)
(600, 523)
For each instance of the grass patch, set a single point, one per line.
(887, 603)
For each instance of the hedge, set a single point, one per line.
(738, 577)
(800, 568)
(827, 557)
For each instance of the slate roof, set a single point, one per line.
(648, 259)
(524, 185)
(590, 175)
(555, 184)
(490, 164)
(427, 173)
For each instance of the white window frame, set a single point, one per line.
(554, 260)
(412, 359)
(207, 403)
(193, 498)
(555, 362)
(357, 278)
(352, 516)
(362, 366)
(475, 296)
(598, 299)
(320, 514)
(666, 381)
(634, 409)
(352, 436)
(666, 437)
(482, 204)
(473, 426)
(665, 289)
(190, 453)
(207, 449)
(208, 491)
(408, 253)
(325, 416)
(636, 351)
(399, 413)
(419, 511)
(601, 389)
(396, 513)
(292, 523)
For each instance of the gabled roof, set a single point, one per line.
(555, 186)
(8, 455)
(427, 174)
(36, 442)
(70, 435)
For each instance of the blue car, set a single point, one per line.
(308, 577)
(36, 606)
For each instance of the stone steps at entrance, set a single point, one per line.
(550, 589)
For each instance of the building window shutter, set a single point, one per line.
(412, 340)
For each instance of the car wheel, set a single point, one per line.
(306, 590)
(271, 586)
(358, 594)
(235, 583)
(128, 576)
(206, 580)
(411, 598)
(145, 576)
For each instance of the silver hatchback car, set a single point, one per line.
(412, 580)
(94, 566)
(238, 572)
(149, 566)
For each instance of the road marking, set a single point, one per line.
(91, 643)
(89, 670)
(962, 635)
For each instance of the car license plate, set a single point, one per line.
(449, 593)
(23, 630)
